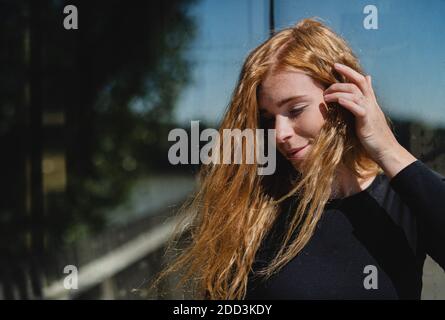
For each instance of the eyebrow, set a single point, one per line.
(286, 100)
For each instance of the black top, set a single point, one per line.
(390, 226)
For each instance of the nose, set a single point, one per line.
(284, 129)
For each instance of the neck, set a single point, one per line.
(346, 183)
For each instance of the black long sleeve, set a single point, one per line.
(391, 226)
(424, 191)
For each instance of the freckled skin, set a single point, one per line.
(293, 130)
(296, 130)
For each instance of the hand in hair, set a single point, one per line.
(371, 126)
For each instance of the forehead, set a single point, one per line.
(284, 84)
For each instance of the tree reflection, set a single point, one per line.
(91, 107)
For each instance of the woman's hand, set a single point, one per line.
(371, 126)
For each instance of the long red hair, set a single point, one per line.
(233, 209)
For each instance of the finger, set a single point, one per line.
(344, 87)
(345, 95)
(368, 78)
(356, 109)
(354, 76)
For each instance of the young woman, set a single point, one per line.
(348, 214)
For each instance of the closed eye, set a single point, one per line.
(296, 111)
(268, 122)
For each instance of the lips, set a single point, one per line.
(293, 152)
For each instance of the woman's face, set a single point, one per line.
(292, 103)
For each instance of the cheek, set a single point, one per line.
(310, 123)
